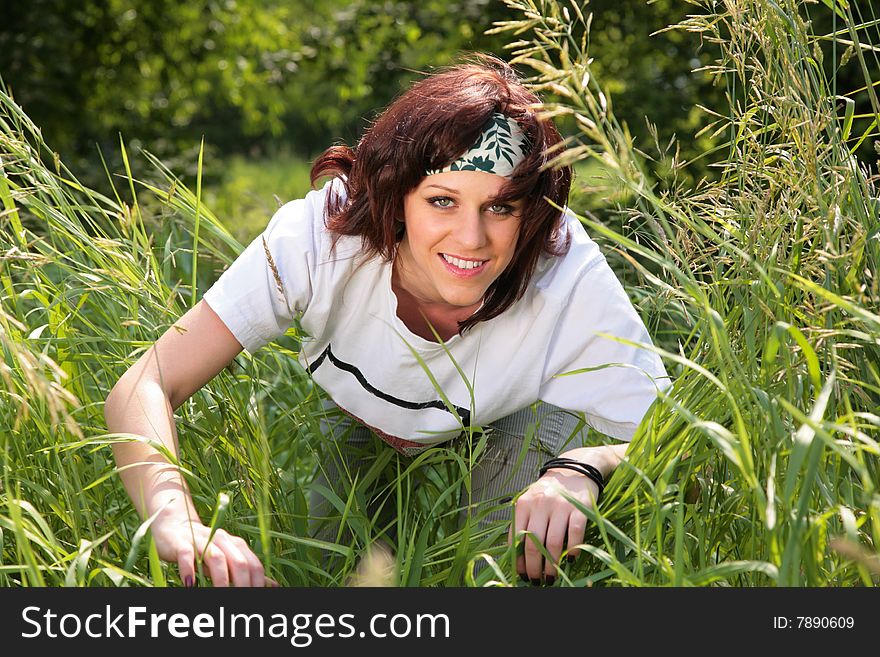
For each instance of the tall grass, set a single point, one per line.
(759, 467)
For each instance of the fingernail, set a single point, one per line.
(550, 579)
(188, 582)
(536, 582)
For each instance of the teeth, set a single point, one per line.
(463, 264)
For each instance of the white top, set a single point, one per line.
(413, 392)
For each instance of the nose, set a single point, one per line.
(471, 230)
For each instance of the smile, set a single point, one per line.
(463, 267)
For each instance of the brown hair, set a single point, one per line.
(436, 120)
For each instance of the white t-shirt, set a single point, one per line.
(413, 392)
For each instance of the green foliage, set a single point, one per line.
(247, 192)
(757, 464)
(148, 67)
(238, 72)
(367, 51)
(249, 75)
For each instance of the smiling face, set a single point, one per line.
(458, 239)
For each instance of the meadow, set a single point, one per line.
(760, 466)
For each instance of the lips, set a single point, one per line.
(463, 267)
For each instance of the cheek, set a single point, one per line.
(511, 239)
(418, 233)
(421, 239)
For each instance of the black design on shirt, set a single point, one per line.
(463, 413)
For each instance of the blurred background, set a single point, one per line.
(270, 83)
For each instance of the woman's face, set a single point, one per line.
(458, 239)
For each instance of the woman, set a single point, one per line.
(441, 288)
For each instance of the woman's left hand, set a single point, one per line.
(552, 520)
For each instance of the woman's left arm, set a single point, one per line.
(544, 512)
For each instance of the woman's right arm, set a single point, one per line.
(188, 355)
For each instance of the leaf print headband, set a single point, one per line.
(500, 147)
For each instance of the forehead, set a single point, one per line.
(464, 182)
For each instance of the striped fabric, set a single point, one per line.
(352, 454)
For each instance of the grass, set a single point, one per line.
(249, 191)
(758, 468)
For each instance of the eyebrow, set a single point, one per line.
(455, 191)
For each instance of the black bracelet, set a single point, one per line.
(585, 469)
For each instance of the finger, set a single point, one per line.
(236, 562)
(255, 566)
(521, 563)
(520, 522)
(593, 493)
(214, 561)
(186, 566)
(534, 559)
(557, 532)
(577, 525)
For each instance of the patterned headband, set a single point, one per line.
(500, 147)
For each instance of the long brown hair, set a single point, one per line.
(436, 120)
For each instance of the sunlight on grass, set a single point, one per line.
(759, 467)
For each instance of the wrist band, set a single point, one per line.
(585, 469)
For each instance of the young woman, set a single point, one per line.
(436, 260)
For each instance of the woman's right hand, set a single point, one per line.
(142, 403)
(226, 560)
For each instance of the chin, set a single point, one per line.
(463, 302)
